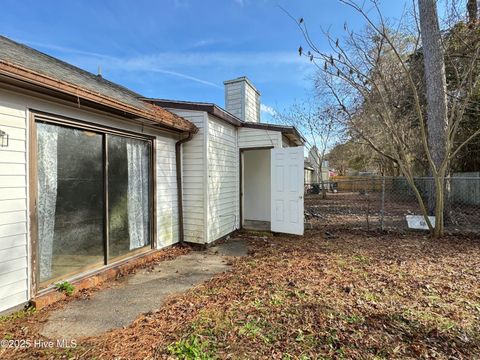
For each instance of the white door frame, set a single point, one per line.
(241, 178)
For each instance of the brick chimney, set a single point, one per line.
(242, 99)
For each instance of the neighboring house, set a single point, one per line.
(88, 176)
(320, 172)
(236, 172)
(309, 172)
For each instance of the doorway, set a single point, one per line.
(271, 189)
(256, 209)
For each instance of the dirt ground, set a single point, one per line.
(334, 294)
(356, 210)
(341, 211)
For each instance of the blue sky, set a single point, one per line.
(184, 49)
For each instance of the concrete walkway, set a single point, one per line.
(139, 293)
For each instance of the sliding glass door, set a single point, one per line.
(94, 198)
(70, 200)
(129, 195)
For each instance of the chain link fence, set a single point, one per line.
(385, 202)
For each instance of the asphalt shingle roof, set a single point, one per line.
(36, 61)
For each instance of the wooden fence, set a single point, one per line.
(465, 187)
(357, 183)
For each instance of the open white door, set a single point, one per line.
(287, 190)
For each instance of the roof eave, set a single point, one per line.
(193, 106)
(225, 115)
(25, 75)
(286, 130)
(290, 131)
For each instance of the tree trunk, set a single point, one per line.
(439, 206)
(472, 9)
(323, 190)
(436, 85)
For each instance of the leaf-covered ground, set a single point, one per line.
(352, 295)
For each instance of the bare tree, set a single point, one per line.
(319, 123)
(356, 155)
(367, 74)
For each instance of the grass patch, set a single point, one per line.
(65, 287)
(191, 348)
(362, 259)
(18, 315)
(353, 319)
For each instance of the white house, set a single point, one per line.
(309, 173)
(320, 173)
(237, 171)
(91, 174)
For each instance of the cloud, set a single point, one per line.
(208, 42)
(181, 3)
(132, 64)
(181, 64)
(185, 76)
(61, 48)
(223, 58)
(193, 58)
(204, 42)
(267, 110)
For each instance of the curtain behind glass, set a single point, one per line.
(70, 200)
(138, 199)
(47, 164)
(70, 194)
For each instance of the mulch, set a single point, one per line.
(342, 294)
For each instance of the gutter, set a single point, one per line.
(178, 163)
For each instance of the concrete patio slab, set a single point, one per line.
(139, 293)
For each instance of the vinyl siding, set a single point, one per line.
(222, 164)
(14, 221)
(251, 138)
(235, 99)
(252, 104)
(242, 101)
(194, 175)
(13, 207)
